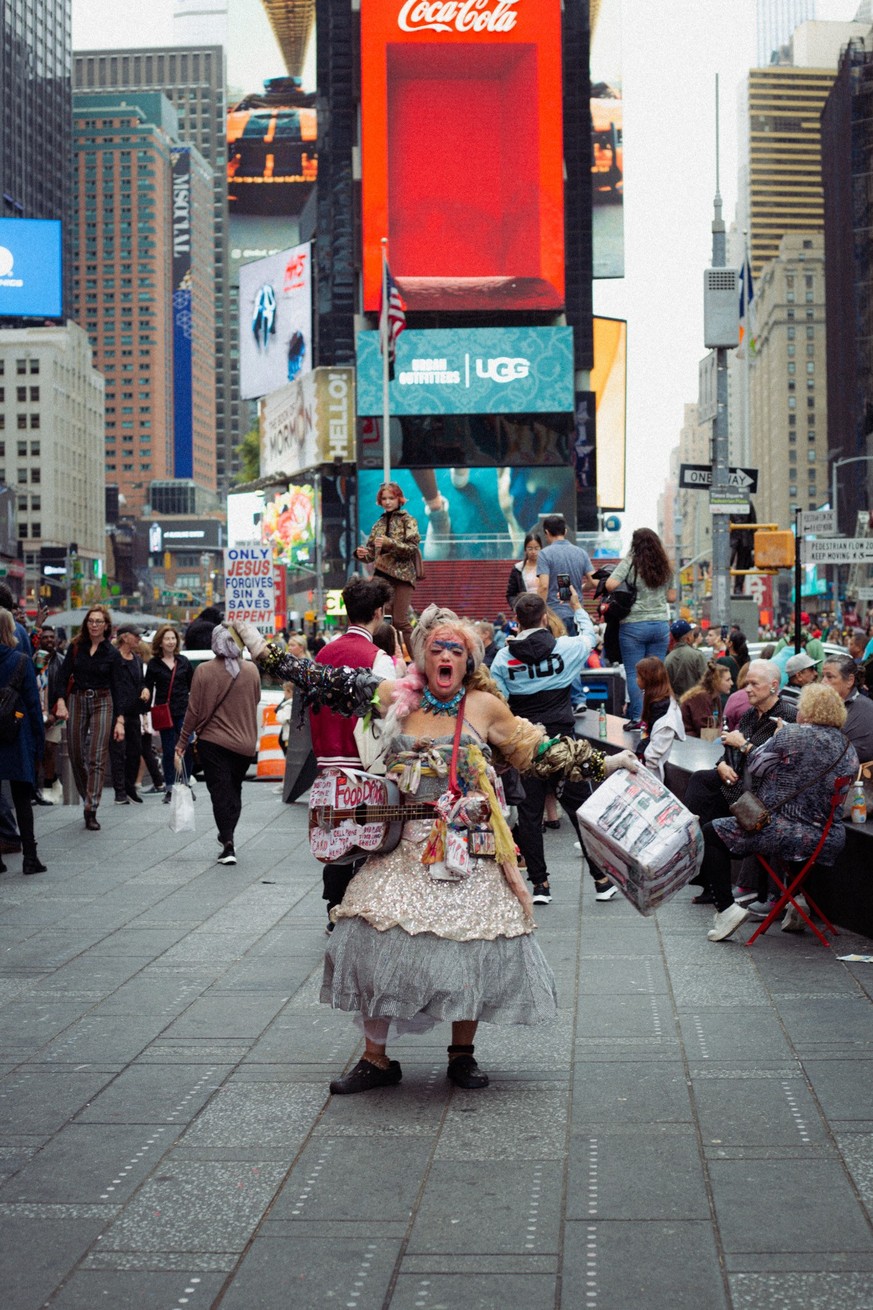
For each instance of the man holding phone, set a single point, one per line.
(560, 566)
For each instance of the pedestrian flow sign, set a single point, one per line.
(699, 477)
(838, 550)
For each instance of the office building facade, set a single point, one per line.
(193, 80)
(51, 443)
(36, 122)
(775, 21)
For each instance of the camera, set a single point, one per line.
(563, 587)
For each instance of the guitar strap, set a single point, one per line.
(454, 789)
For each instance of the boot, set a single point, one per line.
(91, 821)
(31, 863)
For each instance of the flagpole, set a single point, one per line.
(385, 330)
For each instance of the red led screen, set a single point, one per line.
(462, 153)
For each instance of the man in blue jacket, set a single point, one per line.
(535, 672)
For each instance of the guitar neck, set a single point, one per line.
(379, 813)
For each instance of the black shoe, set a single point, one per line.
(632, 725)
(38, 799)
(228, 854)
(542, 894)
(464, 1072)
(168, 796)
(554, 824)
(704, 898)
(365, 1076)
(329, 927)
(91, 821)
(122, 798)
(135, 796)
(31, 864)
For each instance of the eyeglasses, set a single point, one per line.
(451, 647)
(100, 621)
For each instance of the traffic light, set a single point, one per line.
(774, 550)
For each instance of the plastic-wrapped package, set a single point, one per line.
(642, 837)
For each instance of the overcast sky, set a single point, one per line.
(672, 52)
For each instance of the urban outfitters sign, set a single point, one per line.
(471, 371)
(249, 588)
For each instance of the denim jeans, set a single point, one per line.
(637, 640)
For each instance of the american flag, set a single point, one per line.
(392, 318)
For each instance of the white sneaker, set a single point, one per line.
(57, 792)
(727, 921)
(605, 893)
(47, 795)
(460, 478)
(792, 921)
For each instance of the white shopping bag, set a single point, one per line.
(182, 807)
(642, 837)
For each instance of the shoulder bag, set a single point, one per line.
(162, 715)
(623, 598)
(752, 814)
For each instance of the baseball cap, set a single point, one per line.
(680, 628)
(128, 627)
(798, 662)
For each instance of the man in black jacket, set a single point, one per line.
(536, 671)
(125, 755)
(199, 633)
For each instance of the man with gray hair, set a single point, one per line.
(711, 792)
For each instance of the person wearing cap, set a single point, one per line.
(124, 755)
(685, 664)
(800, 671)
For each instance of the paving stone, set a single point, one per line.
(829, 1022)
(506, 1122)
(310, 1272)
(643, 1173)
(857, 1151)
(647, 1017)
(86, 1163)
(716, 1033)
(113, 1039)
(509, 1207)
(662, 1266)
(759, 1205)
(46, 1097)
(129, 1290)
(476, 1291)
(212, 1016)
(334, 1179)
(414, 1108)
(842, 1087)
(265, 1117)
(323, 1036)
(150, 1094)
(790, 1290)
(762, 1111)
(619, 974)
(630, 1093)
(52, 1246)
(196, 1206)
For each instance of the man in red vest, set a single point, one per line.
(333, 737)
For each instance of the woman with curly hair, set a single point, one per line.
(391, 548)
(702, 705)
(645, 630)
(441, 928)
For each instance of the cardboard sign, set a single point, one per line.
(249, 586)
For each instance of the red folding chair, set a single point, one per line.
(788, 892)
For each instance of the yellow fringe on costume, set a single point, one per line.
(504, 846)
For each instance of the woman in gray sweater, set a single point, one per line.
(223, 714)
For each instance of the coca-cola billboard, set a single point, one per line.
(462, 152)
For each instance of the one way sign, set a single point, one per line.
(699, 476)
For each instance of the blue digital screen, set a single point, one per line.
(30, 268)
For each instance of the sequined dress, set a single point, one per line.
(419, 950)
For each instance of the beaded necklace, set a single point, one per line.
(430, 702)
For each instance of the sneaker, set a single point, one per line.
(154, 790)
(727, 921)
(604, 891)
(57, 792)
(580, 709)
(745, 895)
(632, 725)
(365, 1076)
(122, 798)
(39, 798)
(49, 797)
(329, 927)
(168, 796)
(792, 921)
(542, 894)
(577, 846)
(228, 854)
(759, 909)
(135, 796)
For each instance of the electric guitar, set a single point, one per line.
(354, 814)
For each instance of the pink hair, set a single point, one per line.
(405, 697)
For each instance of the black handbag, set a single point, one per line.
(623, 598)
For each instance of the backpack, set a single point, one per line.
(11, 712)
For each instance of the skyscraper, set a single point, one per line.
(36, 124)
(193, 81)
(775, 22)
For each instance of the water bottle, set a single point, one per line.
(601, 723)
(859, 804)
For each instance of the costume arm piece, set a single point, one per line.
(571, 758)
(349, 692)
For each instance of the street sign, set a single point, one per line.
(865, 593)
(727, 502)
(698, 477)
(821, 522)
(838, 550)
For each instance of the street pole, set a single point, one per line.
(798, 579)
(721, 551)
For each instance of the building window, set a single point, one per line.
(792, 490)
(791, 369)
(21, 422)
(34, 421)
(35, 476)
(36, 528)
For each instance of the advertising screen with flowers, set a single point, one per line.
(288, 525)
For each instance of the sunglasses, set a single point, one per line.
(451, 647)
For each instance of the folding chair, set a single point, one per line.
(788, 892)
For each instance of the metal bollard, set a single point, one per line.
(65, 770)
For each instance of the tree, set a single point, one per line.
(249, 452)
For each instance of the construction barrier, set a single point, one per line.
(271, 761)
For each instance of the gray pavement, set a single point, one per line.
(696, 1130)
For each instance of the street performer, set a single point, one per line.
(441, 928)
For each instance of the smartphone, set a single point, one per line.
(563, 587)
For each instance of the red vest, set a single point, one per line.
(333, 737)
